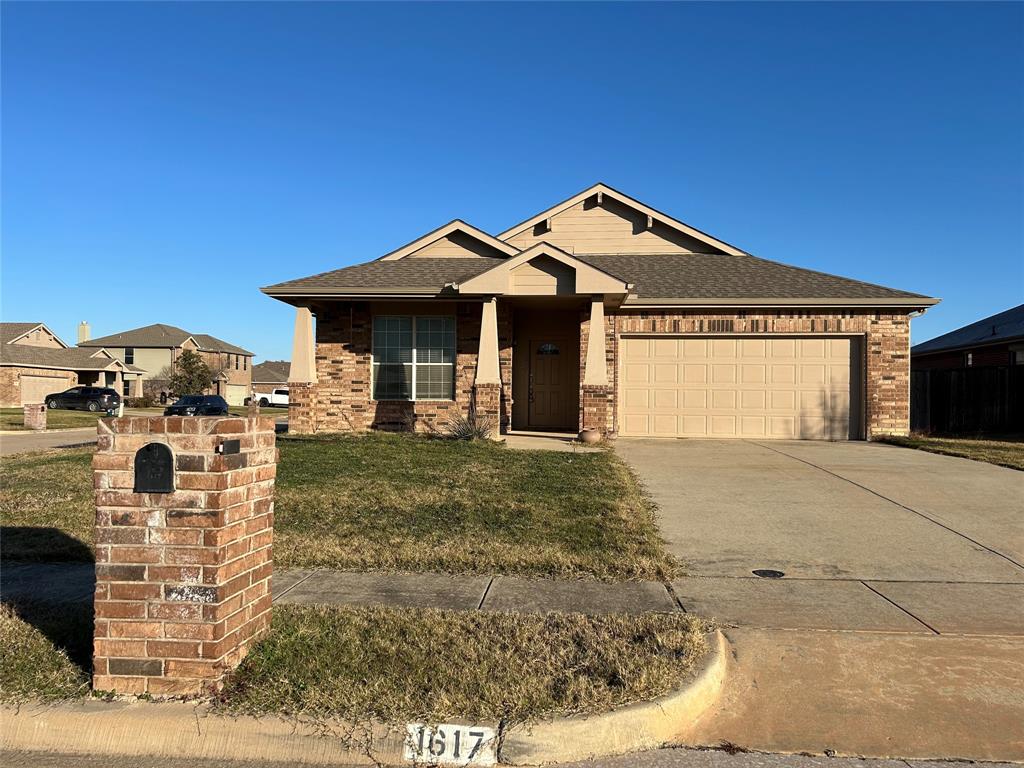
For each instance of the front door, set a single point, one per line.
(550, 384)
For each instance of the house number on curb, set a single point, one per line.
(448, 744)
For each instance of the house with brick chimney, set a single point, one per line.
(599, 312)
(155, 349)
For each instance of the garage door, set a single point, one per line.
(235, 394)
(786, 388)
(34, 389)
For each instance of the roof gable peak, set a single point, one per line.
(600, 191)
(442, 232)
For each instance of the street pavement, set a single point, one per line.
(660, 758)
(24, 442)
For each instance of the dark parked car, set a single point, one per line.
(198, 405)
(85, 398)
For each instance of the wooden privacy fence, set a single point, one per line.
(967, 400)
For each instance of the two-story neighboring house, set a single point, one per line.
(156, 348)
(35, 362)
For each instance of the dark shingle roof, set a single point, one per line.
(271, 372)
(655, 276)
(1002, 326)
(162, 335)
(73, 359)
(417, 274)
(11, 331)
(726, 276)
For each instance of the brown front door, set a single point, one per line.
(550, 384)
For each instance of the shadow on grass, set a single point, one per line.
(68, 625)
(38, 544)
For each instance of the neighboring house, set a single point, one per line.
(156, 348)
(34, 363)
(971, 381)
(269, 375)
(993, 341)
(598, 312)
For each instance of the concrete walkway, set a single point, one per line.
(898, 628)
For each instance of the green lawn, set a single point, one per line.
(1004, 452)
(393, 502)
(14, 418)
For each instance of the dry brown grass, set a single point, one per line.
(401, 664)
(1004, 453)
(34, 653)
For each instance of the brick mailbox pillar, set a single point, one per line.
(35, 415)
(184, 535)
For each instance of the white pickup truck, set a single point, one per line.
(278, 397)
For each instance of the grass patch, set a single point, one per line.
(1004, 453)
(393, 502)
(44, 652)
(398, 665)
(14, 419)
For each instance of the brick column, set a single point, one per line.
(182, 578)
(35, 415)
(597, 408)
(302, 408)
(487, 405)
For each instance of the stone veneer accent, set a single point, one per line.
(182, 578)
(341, 400)
(34, 415)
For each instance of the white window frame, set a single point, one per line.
(414, 364)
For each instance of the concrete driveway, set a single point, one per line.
(898, 628)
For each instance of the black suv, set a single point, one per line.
(85, 398)
(198, 405)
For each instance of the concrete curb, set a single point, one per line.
(180, 729)
(644, 725)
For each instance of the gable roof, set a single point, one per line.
(68, 359)
(589, 278)
(601, 190)
(729, 277)
(11, 332)
(160, 335)
(271, 372)
(456, 225)
(1004, 326)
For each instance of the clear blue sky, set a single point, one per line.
(163, 161)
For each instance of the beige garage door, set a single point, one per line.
(35, 388)
(788, 387)
(235, 394)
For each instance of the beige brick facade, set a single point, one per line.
(182, 578)
(10, 382)
(341, 400)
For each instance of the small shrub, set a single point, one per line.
(471, 427)
(146, 401)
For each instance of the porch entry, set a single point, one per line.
(546, 372)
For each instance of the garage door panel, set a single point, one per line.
(34, 389)
(784, 388)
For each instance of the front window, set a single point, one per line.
(126, 387)
(129, 355)
(413, 357)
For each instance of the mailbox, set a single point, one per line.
(154, 469)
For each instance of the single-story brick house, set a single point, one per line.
(35, 362)
(996, 340)
(599, 312)
(270, 375)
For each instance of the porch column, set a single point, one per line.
(596, 372)
(487, 386)
(597, 394)
(488, 371)
(302, 375)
